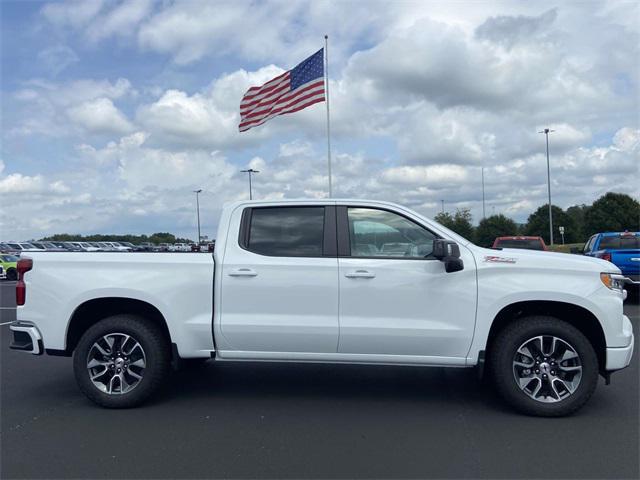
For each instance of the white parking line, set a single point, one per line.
(5, 323)
(7, 308)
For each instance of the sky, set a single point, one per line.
(113, 112)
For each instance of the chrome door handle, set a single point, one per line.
(360, 274)
(243, 272)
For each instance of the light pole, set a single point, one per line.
(197, 192)
(546, 132)
(442, 205)
(250, 171)
(483, 215)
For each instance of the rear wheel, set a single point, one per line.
(121, 361)
(543, 366)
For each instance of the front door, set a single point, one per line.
(395, 298)
(280, 282)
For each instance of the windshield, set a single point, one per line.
(9, 258)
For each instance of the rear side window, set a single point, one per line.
(286, 231)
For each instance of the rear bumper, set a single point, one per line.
(26, 338)
(620, 357)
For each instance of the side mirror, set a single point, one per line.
(448, 251)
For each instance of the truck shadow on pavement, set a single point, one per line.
(320, 383)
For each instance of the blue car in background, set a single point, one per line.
(620, 248)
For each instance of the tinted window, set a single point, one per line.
(287, 231)
(620, 243)
(526, 244)
(378, 233)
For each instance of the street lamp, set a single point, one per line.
(250, 171)
(197, 192)
(546, 132)
(483, 212)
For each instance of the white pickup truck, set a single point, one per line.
(341, 281)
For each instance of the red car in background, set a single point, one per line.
(527, 243)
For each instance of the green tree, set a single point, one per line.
(538, 225)
(460, 222)
(492, 227)
(613, 212)
(577, 214)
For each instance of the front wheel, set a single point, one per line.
(543, 366)
(121, 361)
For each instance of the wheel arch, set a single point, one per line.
(576, 315)
(92, 311)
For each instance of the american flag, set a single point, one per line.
(287, 93)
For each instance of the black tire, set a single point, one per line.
(502, 354)
(12, 275)
(156, 349)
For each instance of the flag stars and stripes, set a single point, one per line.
(289, 92)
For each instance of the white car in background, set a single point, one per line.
(25, 247)
(181, 247)
(118, 247)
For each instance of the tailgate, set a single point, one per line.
(627, 260)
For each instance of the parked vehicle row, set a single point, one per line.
(50, 246)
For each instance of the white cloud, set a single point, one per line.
(57, 58)
(99, 116)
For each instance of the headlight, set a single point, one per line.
(612, 281)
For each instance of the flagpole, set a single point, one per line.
(326, 79)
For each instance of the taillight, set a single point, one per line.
(23, 266)
(606, 256)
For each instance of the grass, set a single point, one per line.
(566, 248)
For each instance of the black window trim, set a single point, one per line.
(329, 241)
(344, 236)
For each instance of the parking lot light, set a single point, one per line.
(546, 132)
(197, 192)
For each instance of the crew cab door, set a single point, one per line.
(395, 299)
(280, 281)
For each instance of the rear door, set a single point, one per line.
(395, 298)
(279, 281)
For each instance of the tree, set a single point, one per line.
(613, 212)
(577, 214)
(492, 227)
(538, 225)
(460, 222)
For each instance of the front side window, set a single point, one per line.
(287, 231)
(379, 233)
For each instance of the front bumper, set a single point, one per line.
(26, 338)
(620, 357)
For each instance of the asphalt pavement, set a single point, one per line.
(303, 421)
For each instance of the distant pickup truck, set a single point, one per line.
(526, 243)
(620, 248)
(330, 281)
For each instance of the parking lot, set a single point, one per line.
(281, 420)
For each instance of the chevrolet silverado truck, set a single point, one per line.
(331, 281)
